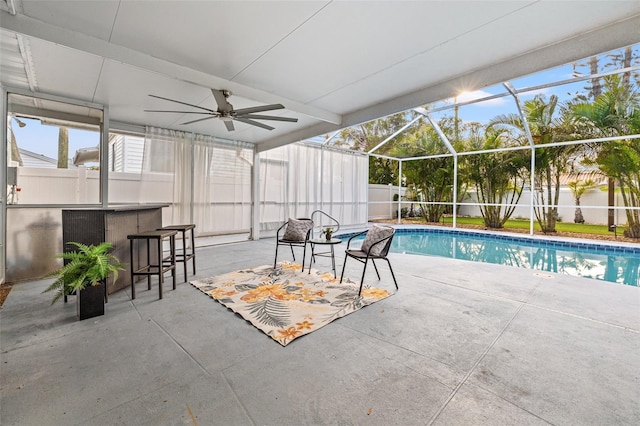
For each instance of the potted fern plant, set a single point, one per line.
(85, 273)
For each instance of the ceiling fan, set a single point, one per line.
(226, 113)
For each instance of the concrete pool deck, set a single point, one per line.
(460, 343)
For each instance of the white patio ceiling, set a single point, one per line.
(331, 63)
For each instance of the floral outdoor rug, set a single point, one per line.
(285, 303)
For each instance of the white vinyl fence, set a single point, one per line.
(593, 205)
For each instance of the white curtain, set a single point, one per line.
(206, 180)
(229, 184)
(202, 164)
(299, 178)
(345, 186)
(166, 173)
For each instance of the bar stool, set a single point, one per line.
(185, 255)
(164, 263)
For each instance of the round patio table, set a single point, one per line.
(324, 242)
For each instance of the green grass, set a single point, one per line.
(578, 228)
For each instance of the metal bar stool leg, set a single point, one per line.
(184, 253)
(148, 263)
(172, 245)
(160, 269)
(193, 251)
(133, 268)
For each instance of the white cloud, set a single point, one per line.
(479, 94)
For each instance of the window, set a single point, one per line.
(53, 152)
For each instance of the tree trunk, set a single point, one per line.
(63, 148)
(633, 231)
(628, 55)
(493, 218)
(552, 211)
(611, 194)
(577, 217)
(633, 219)
(596, 87)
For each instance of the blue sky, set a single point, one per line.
(484, 111)
(43, 139)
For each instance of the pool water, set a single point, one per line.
(618, 264)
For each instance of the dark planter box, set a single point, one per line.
(90, 302)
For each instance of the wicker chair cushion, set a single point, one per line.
(376, 233)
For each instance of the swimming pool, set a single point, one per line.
(606, 262)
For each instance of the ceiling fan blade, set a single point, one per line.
(180, 112)
(200, 119)
(221, 100)
(250, 110)
(253, 123)
(267, 117)
(229, 125)
(182, 103)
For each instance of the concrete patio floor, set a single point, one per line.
(459, 344)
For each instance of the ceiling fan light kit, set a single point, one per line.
(226, 113)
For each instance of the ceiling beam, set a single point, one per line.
(297, 136)
(46, 115)
(618, 34)
(30, 27)
(603, 39)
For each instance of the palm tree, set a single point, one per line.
(546, 126)
(616, 112)
(497, 176)
(432, 177)
(578, 188)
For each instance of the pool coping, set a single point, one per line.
(556, 242)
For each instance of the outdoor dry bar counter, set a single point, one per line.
(112, 224)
